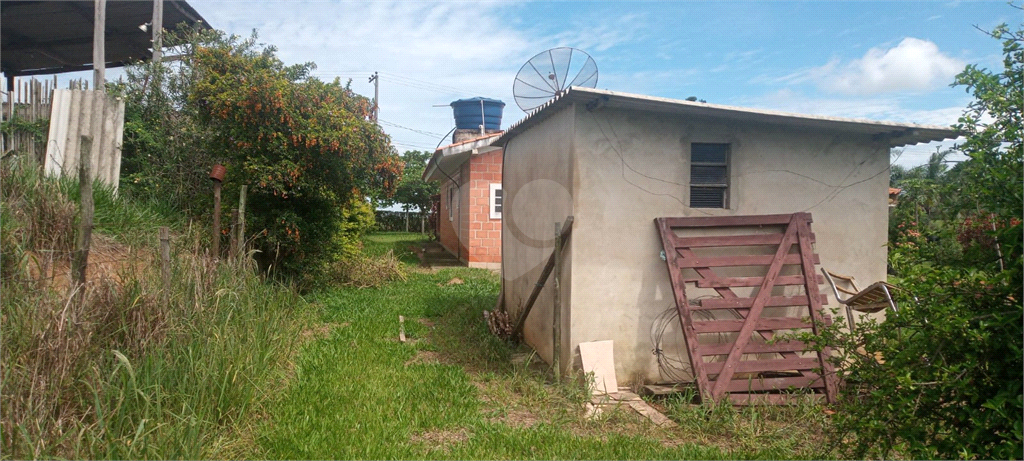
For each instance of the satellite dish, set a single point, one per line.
(550, 73)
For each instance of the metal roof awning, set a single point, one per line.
(446, 161)
(892, 133)
(50, 37)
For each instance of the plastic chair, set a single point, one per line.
(874, 298)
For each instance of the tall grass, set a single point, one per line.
(130, 368)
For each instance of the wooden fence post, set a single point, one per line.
(216, 220)
(165, 263)
(81, 255)
(556, 324)
(233, 235)
(241, 220)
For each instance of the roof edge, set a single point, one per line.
(894, 133)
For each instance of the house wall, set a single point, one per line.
(483, 233)
(470, 233)
(447, 227)
(634, 167)
(538, 179)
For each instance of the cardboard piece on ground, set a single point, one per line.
(597, 357)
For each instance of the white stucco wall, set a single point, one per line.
(537, 190)
(634, 167)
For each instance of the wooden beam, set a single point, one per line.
(563, 236)
(723, 282)
(741, 260)
(730, 240)
(742, 303)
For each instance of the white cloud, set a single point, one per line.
(913, 65)
(882, 108)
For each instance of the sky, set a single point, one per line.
(890, 61)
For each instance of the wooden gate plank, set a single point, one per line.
(727, 282)
(773, 384)
(754, 348)
(742, 260)
(731, 326)
(729, 221)
(773, 399)
(750, 366)
(743, 303)
(730, 240)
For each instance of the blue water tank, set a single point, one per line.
(470, 111)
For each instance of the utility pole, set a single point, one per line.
(99, 59)
(158, 30)
(375, 80)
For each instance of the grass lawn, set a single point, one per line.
(452, 391)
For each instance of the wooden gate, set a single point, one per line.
(723, 255)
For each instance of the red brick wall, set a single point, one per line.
(484, 233)
(478, 239)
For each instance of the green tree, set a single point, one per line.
(412, 191)
(943, 378)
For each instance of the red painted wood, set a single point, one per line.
(740, 303)
(754, 348)
(682, 306)
(750, 323)
(728, 221)
(730, 240)
(772, 384)
(831, 384)
(729, 326)
(772, 399)
(783, 280)
(797, 233)
(753, 366)
(745, 260)
(727, 293)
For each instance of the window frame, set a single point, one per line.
(725, 186)
(495, 188)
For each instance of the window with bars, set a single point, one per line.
(495, 202)
(709, 175)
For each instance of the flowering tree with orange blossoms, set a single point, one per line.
(307, 149)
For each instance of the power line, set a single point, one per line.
(428, 133)
(402, 80)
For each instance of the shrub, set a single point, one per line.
(364, 272)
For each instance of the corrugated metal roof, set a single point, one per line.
(48, 37)
(895, 134)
